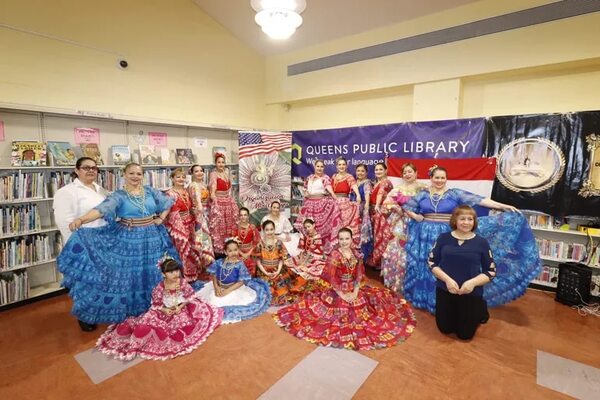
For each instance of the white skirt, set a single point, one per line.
(241, 296)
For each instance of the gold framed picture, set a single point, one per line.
(591, 186)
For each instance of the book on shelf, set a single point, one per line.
(20, 219)
(548, 276)
(234, 176)
(148, 155)
(561, 250)
(92, 151)
(165, 155)
(61, 153)
(184, 156)
(22, 185)
(28, 154)
(14, 287)
(120, 154)
(15, 252)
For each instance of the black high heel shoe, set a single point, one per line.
(86, 327)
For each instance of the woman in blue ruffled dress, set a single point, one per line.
(512, 242)
(111, 271)
(233, 289)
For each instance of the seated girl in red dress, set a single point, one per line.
(248, 237)
(176, 323)
(309, 264)
(348, 314)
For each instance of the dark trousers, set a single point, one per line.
(458, 314)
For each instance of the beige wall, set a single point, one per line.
(542, 68)
(184, 67)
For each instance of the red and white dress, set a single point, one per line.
(310, 262)
(320, 207)
(224, 212)
(249, 237)
(382, 232)
(157, 336)
(181, 225)
(342, 187)
(377, 318)
(202, 240)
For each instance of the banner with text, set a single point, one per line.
(462, 138)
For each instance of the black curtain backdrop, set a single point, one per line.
(568, 131)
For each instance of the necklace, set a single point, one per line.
(270, 247)
(184, 198)
(138, 200)
(226, 270)
(435, 199)
(243, 232)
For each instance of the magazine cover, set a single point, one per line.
(92, 151)
(165, 155)
(62, 153)
(148, 155)
(28, 154)
(185, 156)
(120, 154)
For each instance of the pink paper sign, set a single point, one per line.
(157, 138)
(87, 135)
(1, 131)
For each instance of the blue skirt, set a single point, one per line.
(110, 271)
(515, 254)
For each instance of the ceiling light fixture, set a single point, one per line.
(278, 18)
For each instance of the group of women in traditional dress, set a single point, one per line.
(125, 271)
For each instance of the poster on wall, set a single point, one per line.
(157, 138)
(264, 171)
(87, 135)
(463, 138)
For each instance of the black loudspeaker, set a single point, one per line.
(574, 282)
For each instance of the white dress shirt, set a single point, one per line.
(73, 201)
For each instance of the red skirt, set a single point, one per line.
(382, 235)
(375, 319)
(327, 216)
(223, 220)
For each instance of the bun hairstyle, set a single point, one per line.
(245, 209)
(435, 168)
(409, 165)
(267, 223)
(308, 221)
(340, 158)
(219, 155)
(362, 165)
(169, 265)
(382, 164)
(129, 165)
(177, 171)
(191, 170)
(345, 229)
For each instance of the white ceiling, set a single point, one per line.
(324, 20)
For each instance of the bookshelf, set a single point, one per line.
(296, 198)
(29, 238)
(558, 242)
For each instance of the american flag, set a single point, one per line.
(253, 143)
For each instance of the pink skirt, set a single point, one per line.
(224, 218)
(327, 216)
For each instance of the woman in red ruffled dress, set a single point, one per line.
(176, 323)
(382, 232)
(320, 206)
(248, 237)
(343, 184)
(181, 225)
(348, 314)
(224, 212)
(200, 196)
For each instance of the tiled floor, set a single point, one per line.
(39, 342)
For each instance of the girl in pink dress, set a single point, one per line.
(320, 206)
(176, 323)
(181, 224)
(224, 212)
(343, 184)
(382, 233)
